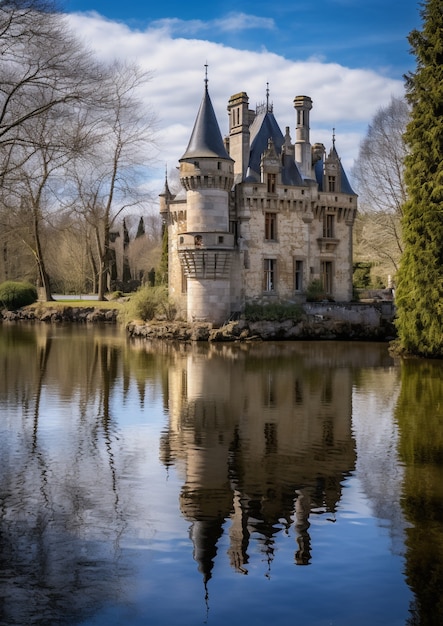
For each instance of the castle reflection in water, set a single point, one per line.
(261, 445)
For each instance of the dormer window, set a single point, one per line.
(272, 179)
(331, 183)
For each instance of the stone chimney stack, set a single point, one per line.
(302, 105)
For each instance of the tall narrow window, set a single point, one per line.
(269, 266)
(298, 275)
(328, 225)
(271, 226)
(184, 281)
(272, 179)
(326, 276)
(331, 183)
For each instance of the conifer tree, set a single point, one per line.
(140, 228)
(419, 293)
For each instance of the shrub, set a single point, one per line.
(315, 291)
(277, 312)
(378, 282)
(362, 275)
(149, 303)
(116, 295)
(14, 295)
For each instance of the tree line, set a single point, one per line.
(75, 144)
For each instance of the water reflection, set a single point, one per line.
(118, 458)
(420, 416)
(264, 439)
(60, 493)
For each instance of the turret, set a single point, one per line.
(205, 247)
(165, 198)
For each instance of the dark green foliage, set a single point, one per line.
(140, 228)
(272, 312)
(362, 275)
(161, 276)
(419, 415)
(419, 294)
(14, 295)
(315, 291)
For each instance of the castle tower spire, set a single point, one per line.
(206, 139)
(205, 244)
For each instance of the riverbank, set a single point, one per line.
(356, 322)
(61, 313)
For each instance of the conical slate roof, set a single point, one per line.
(206, 139)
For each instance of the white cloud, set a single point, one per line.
(231, 23)
(243, 21)
(344, 99)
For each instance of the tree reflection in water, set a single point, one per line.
(258, 440)
(420, 416)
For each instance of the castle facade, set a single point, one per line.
(260, 218)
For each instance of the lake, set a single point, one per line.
(154, 483)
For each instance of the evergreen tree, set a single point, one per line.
(419, 292)
(140, 228)
(161, 276)
(126, 272)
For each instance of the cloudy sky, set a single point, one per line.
(349, 56)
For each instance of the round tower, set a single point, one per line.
(206, 247)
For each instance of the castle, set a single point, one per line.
(259, 218)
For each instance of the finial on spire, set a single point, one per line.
(267, 96)
(333, 137)
(206, 75)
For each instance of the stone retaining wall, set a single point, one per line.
(354, 322)
(319, 321)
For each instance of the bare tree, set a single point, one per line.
(144, 251)
(107, 180)
(50, 142)
(43, 66)
(378, 176)
(48, 79)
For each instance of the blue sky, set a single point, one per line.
(356, 33)
(348, 55)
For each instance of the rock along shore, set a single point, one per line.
(320, 321)
(60, 314)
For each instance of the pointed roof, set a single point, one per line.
(206, 139)
(263, 129)
(166, 193)
(345, 185)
